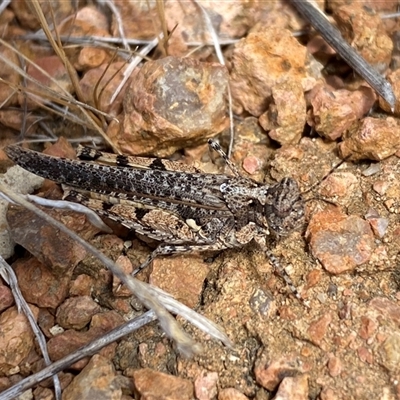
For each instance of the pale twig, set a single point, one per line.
(85, 351)
(100, 41)
(110, 4)
(334, 38)
(91, 216)
(391, 15)
(85, 40)
(220, 56)
(4, 4)
(132, 65)
(41, 121)
(83, 139)
(9, 276)
(203, 323)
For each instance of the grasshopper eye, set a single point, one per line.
(284, 209)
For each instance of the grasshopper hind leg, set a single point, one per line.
(279, 270)
(164, 250)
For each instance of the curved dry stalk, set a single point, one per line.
(96, 95)
(160, 7)
(66, 99)
(57, 48)
(53, 96)
(138, 288)
(91, 216)
(203, 323)
(70, 69)
(52, 107)
(5, 101)
(36, 97)
(143, 291)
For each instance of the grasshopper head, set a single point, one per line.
(284, 208)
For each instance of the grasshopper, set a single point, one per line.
(180, 206)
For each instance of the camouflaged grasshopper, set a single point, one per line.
(178, 205)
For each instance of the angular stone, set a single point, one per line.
(16, 339)
(339, 241)
(76, 312)
(96, 381)
(152, 384)
(183, 101)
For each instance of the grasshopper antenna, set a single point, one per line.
(216, 147)
(333, 169)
